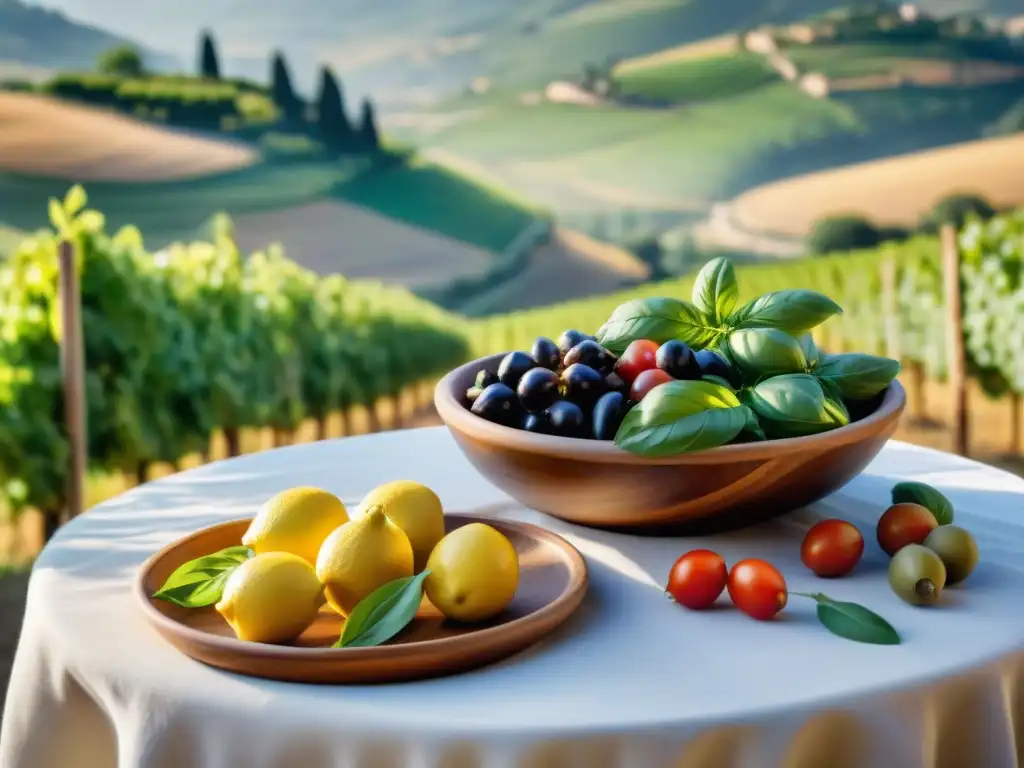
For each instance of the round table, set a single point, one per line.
(630, 680)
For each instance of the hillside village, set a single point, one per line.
(1000, 39)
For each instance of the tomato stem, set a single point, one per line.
(817, 597)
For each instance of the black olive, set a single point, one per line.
(713, 364)
(677, 360)
(609, 411)
(591, 354)
(536, 423)
(498, 403)
(565, 419)
(473, 393)
(582, 385)
(538, 389)
(615, 383)
(484, 379)
(513, 366)
(546, 353)
(570, 339)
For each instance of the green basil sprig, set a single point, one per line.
(927, 497)
(200, 582)
(659, 320)
(760, 353)
(858, 376)
(384, 613)
(795, 405)
(685, 416)
(795, 312)
(852, 621)
(715, 290)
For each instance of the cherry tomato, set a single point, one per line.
(757, 588)
(903, 524)
(638, 357)
(697, 579)
(832, 548)
(645, 382)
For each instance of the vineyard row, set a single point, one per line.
(190, 340)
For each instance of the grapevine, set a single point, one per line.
(191, 339)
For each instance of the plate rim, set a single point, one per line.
(573, 594)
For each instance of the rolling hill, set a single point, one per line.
(894, 191)
(42, 137)
(433, 46)
(38, 36)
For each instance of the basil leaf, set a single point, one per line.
(858, 376)
(700, 431)
(682, 416)
(793, 311)
(926, 496)
(384, 613)
(794, 405)
(810, 350)
(762, 352)
(659, 319)
(200, 582)
(715, 290)
(854, 622)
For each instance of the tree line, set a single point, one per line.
(327, 114)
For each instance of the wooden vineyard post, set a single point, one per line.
(1016, 413)
(957, 362)
(890, 308)
(72, 361)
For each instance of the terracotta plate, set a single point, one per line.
(552, 583)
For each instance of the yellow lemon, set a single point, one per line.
(474, 572)
(416, 510)
(361, 556)
(297, 521)
(271, 598)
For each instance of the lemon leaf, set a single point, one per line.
(200, 582)
(384, 613)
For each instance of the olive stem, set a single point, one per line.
(817, 597)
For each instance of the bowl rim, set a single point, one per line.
(461, 420)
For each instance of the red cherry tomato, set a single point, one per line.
(697, 579)
(832, 548)
(757, 588)
(903, 524)
(638, 357)
(647, 381)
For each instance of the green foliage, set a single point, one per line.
(122, 61)
(332, 120)
(282, 92)
(841, 233)
(209, 64)
(955, 209)
(192, 338)
(369, 138)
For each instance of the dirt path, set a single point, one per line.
(571, 266)
(720, 229)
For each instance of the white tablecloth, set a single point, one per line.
(631, 680)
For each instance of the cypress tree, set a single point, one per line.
(209, 64)
(369, 139)
(281, 90)
(335, 129)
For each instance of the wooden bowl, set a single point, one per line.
(598, 484)
(552, 584)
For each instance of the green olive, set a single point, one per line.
(957, 549)
(917, 575)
